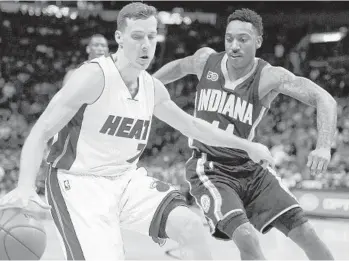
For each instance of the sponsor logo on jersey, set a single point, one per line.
(227, 104)
(212, 76)
(126, 127)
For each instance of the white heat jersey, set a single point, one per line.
(106, 137)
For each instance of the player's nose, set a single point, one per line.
(145, 49)
(235, 47)
(146, 44)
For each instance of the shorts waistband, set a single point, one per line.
(198, 154)
(233, 160)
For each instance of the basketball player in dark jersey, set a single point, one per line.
(97, 46)
(234, 92)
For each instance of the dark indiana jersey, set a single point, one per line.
(231, 106)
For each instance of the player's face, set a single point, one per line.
(97, 47)
(241, 43)
(139, 41)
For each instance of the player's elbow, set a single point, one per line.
(333, 102)
(188, 128)
(187, 131)
(38, 133)
(197, 129)
(326, 98)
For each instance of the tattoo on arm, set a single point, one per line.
(310, 93)
(298, 88)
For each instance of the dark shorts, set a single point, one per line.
(253, 194)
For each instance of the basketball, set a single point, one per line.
(21, 236)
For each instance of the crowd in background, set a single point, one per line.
(37, 52)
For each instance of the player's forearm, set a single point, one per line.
(31, 158)
(212, 136)
(170, 72)
(326, 121)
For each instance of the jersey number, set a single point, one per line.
(230, 127)
(140, 148)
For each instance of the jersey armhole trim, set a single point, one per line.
(154, 92)
(206, 63)
(99, 96)
(256, 91)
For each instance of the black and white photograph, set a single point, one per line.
(174, 130)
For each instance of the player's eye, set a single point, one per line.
(137, 37)
(152, 37)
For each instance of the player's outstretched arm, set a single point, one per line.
(179, 68)
(83, 87)
(67, 76)
(167, 111)
(308, 92)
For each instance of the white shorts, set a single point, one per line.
(88, 211)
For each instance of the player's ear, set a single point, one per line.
(259, 41)
(88, 49)
(119, 38)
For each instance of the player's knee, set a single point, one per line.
(304, 233)
(192, 230)
(185, 227)
(246, 238)
(292, 221)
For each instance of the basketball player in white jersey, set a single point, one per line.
(98, 125)
(97, 46)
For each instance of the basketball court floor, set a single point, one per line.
(334, 232)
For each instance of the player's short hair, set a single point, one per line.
(96, 36)
(135, 11)
(249, 16)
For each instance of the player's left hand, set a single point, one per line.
(318, 160)
(25, 198)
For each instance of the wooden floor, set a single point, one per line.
(277, 247)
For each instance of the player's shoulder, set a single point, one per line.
(157, 83)
(205, 51)
(271, 70)
(147, 75)
(68, 74)
(160, 92)
(272, 78)
(91, 69)
(201, 55)
(98, 59)
(70, 71)
(86, 83)
(272, 73)
(154, 81)
(196, 63)
(149, 81)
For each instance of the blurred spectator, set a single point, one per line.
(36, 52)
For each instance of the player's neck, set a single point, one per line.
(237, 73)
(128, 73)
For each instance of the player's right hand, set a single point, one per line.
(25, 198)
(261, 154)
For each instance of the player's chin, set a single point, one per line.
(143, 66)
(240, 63)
